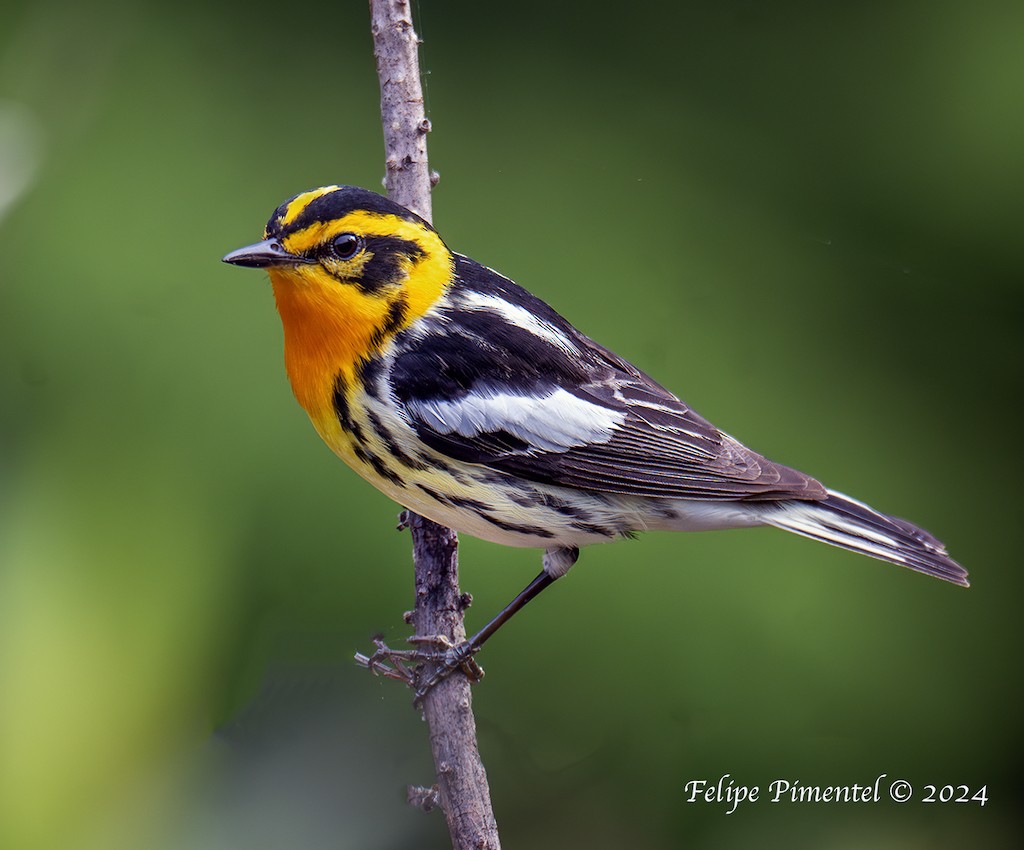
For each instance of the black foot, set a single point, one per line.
(455, 657)
(444, 655)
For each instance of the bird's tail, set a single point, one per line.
(845, 522)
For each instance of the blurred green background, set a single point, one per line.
(805, 218)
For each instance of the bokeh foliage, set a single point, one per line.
(806, 218)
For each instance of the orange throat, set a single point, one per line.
(331, 326)
(327, 331)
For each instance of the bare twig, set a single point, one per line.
(396, 47)
(462, 789)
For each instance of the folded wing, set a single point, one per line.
(498, 378)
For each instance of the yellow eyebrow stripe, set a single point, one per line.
(365, 224)
(300, 202)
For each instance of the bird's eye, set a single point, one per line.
(346, 246)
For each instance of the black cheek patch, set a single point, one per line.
(387, 255)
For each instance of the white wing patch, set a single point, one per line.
(520, 317)
(552, 423)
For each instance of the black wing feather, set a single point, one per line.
(662, 448)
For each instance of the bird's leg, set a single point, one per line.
(450, 657)
(556, 564)
(461, 655)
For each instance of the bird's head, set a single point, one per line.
(345, 245)
(349, 270)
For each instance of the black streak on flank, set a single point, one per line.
(377, 465)
(530, 498)
(343, 413)
(437, 463)
(532, 530)
(437, 497)
(455, 501)
(581, 518)
(482, 510)
(391, 443)
(592, 528)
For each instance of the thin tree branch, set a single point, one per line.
(462, 788)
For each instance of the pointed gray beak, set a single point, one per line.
(263, 254)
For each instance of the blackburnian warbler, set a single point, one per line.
(472, 402)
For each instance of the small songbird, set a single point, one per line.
(472, 402)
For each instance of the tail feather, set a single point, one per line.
(852, 525)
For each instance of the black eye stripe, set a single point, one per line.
(393, 246)
(382, 259)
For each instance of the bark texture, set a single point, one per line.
(462, 788)
(396, 48)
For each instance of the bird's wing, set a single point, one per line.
(496, 377)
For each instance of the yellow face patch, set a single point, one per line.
(331, 323)
(350, 269)
(425, 278)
